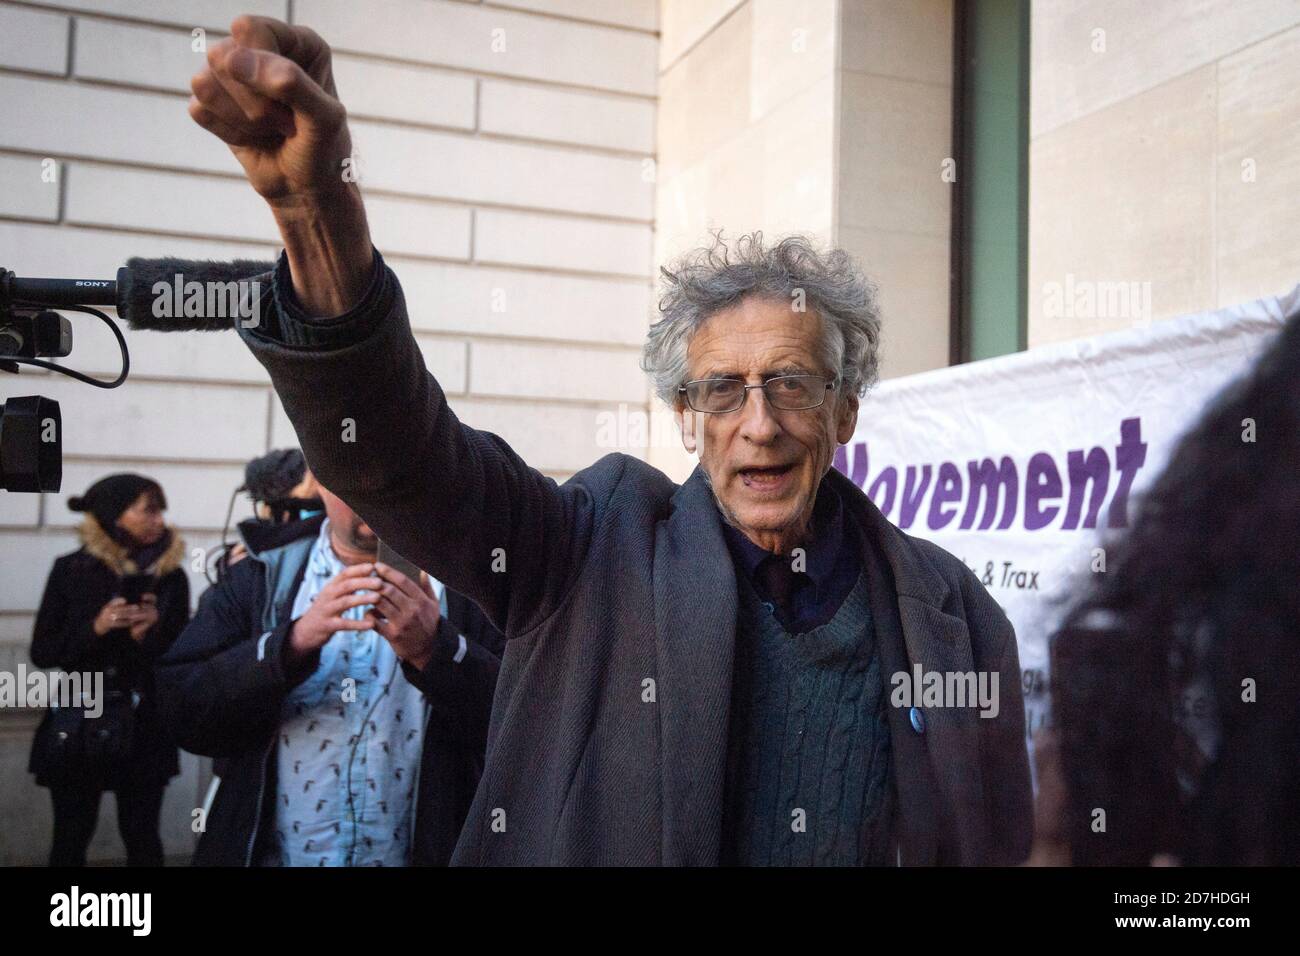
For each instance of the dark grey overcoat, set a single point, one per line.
(617, 594)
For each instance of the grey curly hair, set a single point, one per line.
(713, 277)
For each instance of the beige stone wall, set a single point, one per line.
(505, 151)
(895, 132)
(1165, 156)
(747, 120)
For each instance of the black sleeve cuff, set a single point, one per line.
(288, 671)
(446, 644)
(289, 324)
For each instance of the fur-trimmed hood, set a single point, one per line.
(99, 545)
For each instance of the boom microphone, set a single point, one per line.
(58, 292)
(195, 294)
(162, 295)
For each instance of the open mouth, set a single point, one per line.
(766, 479)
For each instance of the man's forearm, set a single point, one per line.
(327, 244)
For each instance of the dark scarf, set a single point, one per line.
(144, 556)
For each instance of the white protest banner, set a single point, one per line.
(1018, 465)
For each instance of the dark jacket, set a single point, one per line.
(79, 585)
(220, 700)
(618, 595)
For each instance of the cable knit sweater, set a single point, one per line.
(808, 769)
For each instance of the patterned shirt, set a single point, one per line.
(351, 738)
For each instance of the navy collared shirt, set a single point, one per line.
(831, 567)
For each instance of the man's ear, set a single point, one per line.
(846, 418)
(686, 422)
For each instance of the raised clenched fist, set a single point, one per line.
(268, 92)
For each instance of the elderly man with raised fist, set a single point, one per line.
(694, 674)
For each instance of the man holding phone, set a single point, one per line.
(349, 698)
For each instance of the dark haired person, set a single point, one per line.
(285, 497)
(284, 492)
(1176, 677)
(87, 625)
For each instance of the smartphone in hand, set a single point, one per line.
(394, 560)
(135, 586)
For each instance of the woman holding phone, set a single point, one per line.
(111, 608)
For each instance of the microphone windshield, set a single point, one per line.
(178, 295)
